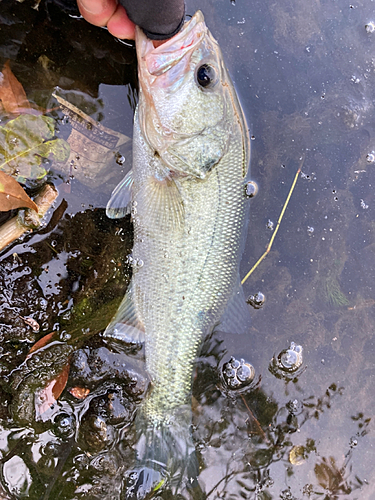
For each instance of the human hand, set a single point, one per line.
(108, 13)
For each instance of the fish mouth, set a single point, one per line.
(158, 60)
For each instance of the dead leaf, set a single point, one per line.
(41, 343)
(48, 396)
(12, 95)
(79, 392)
(12, 195)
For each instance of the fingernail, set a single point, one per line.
(93, 6)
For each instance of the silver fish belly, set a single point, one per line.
(186, 196)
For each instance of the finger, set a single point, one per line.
(97, 12)
(120, 25)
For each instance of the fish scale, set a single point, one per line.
(202, 262)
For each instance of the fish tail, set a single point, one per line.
(165, 457)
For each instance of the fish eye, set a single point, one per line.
(206, 76)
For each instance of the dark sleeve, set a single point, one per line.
(159, 19)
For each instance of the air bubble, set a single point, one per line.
(291, 359)
(245, 373)
(64, 425)
(65, 336)
(251, 189)
(370, 158)
(257, 300)
(353, 442)
(288, 363)
(370, 27)
(119, 158)
(238, 374)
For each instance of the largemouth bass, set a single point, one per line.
(187, 199)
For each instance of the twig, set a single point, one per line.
(261, 431)
(13, 229)
(278, 222)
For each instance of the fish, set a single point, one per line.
(186, 196)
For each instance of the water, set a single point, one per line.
(305, 75)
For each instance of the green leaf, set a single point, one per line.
(26, 143)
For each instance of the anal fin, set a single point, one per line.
(126, 325)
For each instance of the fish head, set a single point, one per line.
(185, 107)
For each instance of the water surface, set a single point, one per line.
(305, 74)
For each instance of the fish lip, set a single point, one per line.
(173, 49)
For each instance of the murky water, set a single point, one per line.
(305, 73)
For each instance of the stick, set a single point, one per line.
(278, 222)
(259, 427)
(13, 229)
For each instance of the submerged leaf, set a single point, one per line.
(26, 143)
(12, 195)
(12, 95)
(48, 395)
(41, 342)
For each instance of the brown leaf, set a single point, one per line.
(60, 381)
(79, 392)
(48, 396)
(41, 343)
(12, 95)
(12, 195)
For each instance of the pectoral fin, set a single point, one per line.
(236, 317)
(126, 325)
(161, 203)
(119, 203)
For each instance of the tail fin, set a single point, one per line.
(165, 456)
